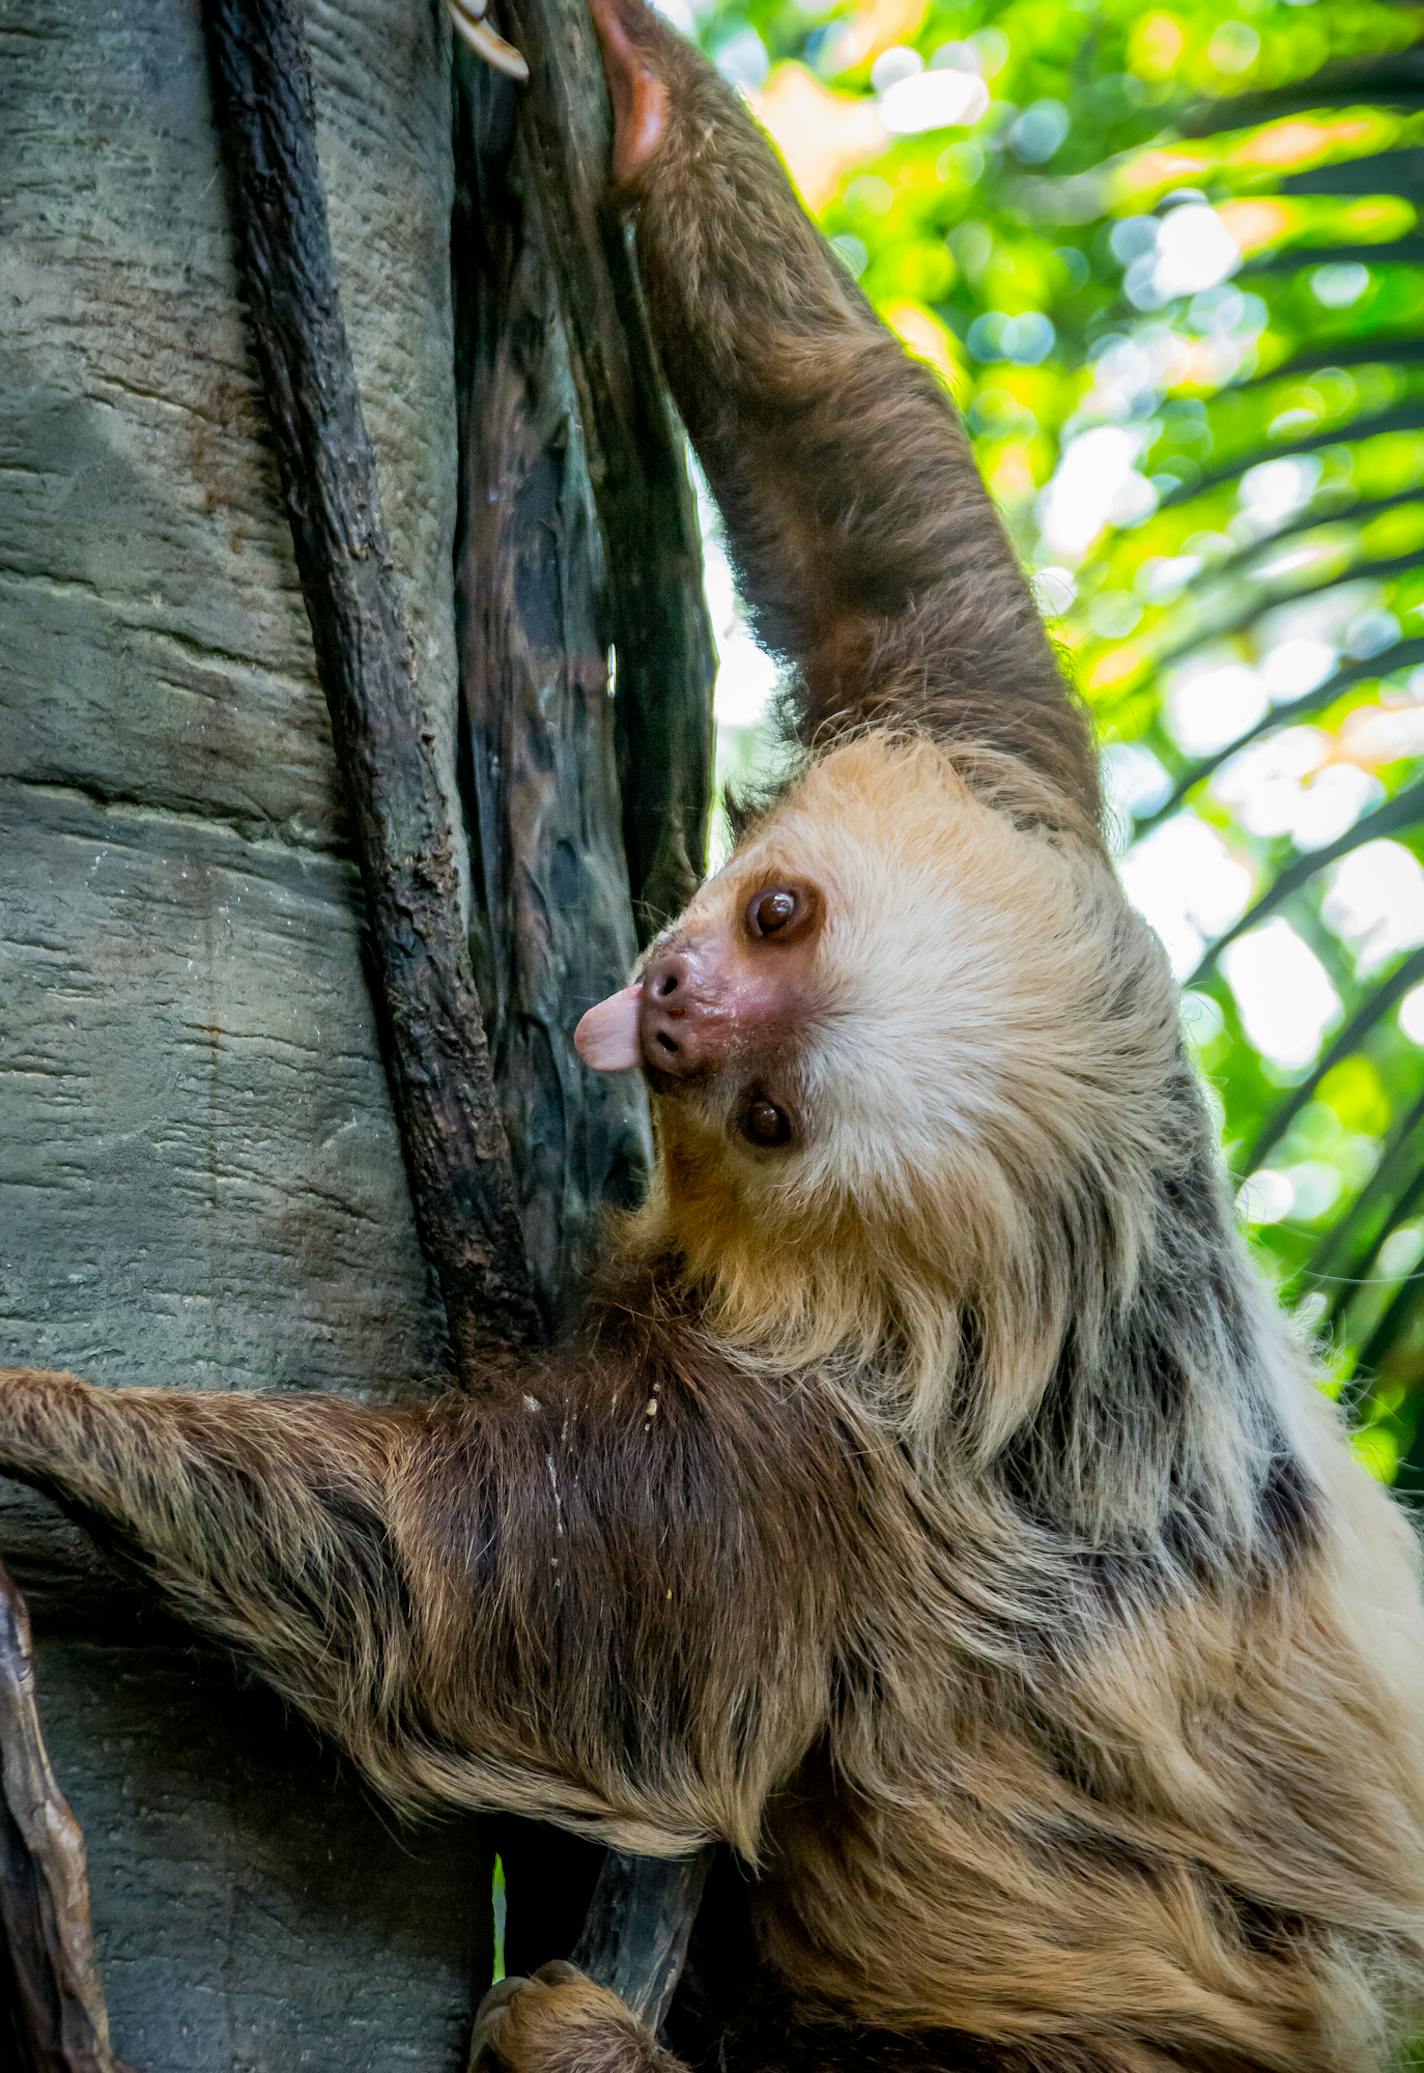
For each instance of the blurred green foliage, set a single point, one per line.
(1170, 260)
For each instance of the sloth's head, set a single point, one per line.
(892, 1046)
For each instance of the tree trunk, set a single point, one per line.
(201, 1181)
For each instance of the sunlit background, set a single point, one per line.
(1170, 262)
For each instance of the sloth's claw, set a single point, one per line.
(560, 2021)
(472, 26)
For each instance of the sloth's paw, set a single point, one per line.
(558, 2021)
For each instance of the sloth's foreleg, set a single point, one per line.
(263, 1519)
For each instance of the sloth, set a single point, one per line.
(931, 1505)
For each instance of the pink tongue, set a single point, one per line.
(607, 1037)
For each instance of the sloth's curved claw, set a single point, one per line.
(471, 24)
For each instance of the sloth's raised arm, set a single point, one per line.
(870, 552)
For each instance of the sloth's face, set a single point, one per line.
(721, 1015)
(882, 993)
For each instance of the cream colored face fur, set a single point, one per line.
(986, 1036)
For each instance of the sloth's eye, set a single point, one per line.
(772, 909)
(766, 1124)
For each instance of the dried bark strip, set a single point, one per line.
(436, 1049)
(657, 616)
(553, 926)
(52, 2013)
(554, 363)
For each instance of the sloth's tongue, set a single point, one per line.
(607, 1037)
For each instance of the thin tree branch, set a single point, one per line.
(437, 1054)
(636, 1934)
(1398, 813)
(1385, 662)
(1351, 1038)
(1337, 1250)
(1393, 417)
(52, 2013)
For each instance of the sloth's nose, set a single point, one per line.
(666, 977)
(681, 1018)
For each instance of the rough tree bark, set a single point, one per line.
(200, 1179)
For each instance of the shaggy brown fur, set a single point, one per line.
(932, 1505)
